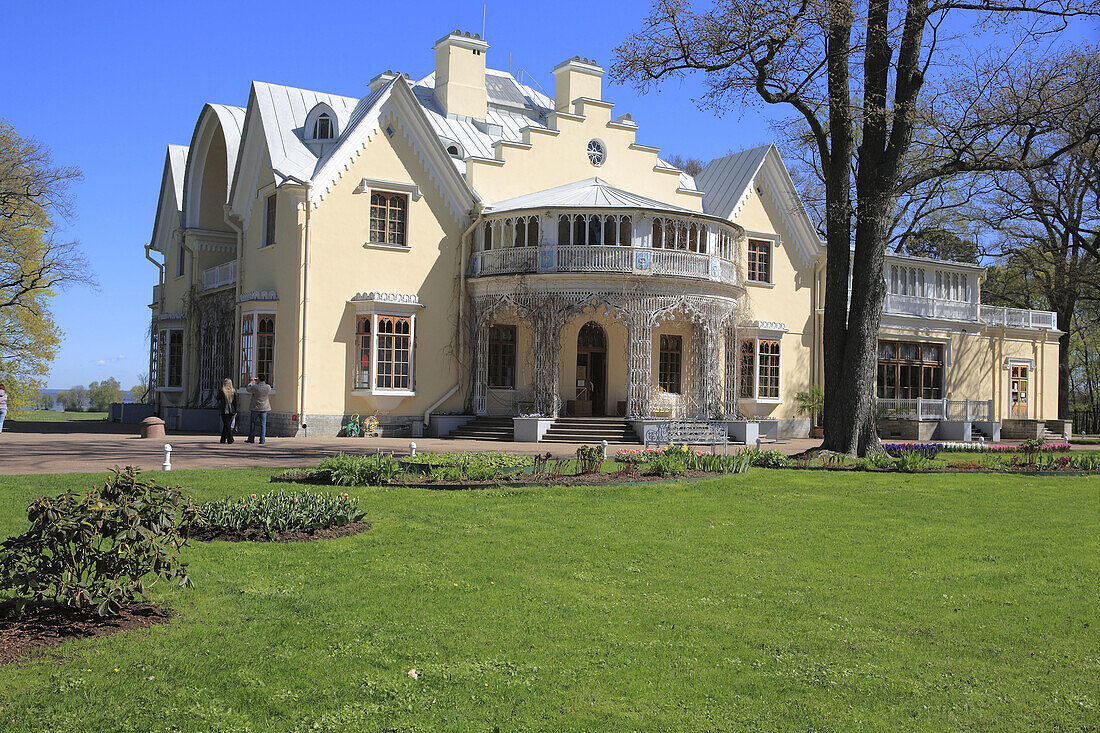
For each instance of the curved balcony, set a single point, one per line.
(641, 261)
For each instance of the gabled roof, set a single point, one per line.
(591, 193)
(176, 164)
(170, 199)
(726, 180)
(283, 111)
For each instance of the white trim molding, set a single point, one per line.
(368, 185)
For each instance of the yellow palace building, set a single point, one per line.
(454, 252)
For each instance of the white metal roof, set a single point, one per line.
(283, 111)
(591, 193)
(177, 166)
(726, 180)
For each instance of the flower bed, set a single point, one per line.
(961, 447)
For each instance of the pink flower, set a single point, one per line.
(295, 499)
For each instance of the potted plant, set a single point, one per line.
(812, 403)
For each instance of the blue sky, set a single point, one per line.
(108, 85)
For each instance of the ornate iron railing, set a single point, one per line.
(598, 258)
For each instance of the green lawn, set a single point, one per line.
(55, 416)
(776, 600)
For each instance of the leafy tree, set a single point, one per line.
(44, 401)
(891, 104)
(102, 394)
(34, 263)
(74, 399)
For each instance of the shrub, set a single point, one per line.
(93, 550)
(589, 458)
(290, 511)
(360, 470)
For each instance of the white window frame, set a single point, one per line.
(411, 191)
(375, 310)
(254, 315)
(164, 342)
(756, 339)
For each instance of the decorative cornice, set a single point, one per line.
(778, 326)
(261, 295)
(168, 317)
(370, 183)
(379, 297)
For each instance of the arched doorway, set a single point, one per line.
(591, 379)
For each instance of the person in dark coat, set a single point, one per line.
(227, 408)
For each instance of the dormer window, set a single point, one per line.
(322, 127)
(453, 148)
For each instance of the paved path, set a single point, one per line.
(79, 447)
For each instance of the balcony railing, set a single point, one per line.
(220, 276)
(943, 409)
(958, 310)
(993, 315)
(598, 259)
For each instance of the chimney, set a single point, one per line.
(460, 74)
(382, 79)
(575, 78)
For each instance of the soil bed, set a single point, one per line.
(258, 535)
(48, 626)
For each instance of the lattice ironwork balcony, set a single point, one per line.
(643, 261)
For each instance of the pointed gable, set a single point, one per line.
(169, 214)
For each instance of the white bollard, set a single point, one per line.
(603, 445)
(167, 465)
(412, 449)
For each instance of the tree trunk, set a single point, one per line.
(1065, 319)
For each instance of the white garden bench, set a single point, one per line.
(688, 432)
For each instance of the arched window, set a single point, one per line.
(323, 129)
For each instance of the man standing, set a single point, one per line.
(259, 407)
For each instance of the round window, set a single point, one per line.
(597, 153)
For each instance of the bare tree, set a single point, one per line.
(691, 166)
(1048, 225)
(892, 104)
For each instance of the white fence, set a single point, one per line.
(921, 409)
(220, 276)
(599, 258)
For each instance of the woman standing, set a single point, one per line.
(227, 408)
(3, 406)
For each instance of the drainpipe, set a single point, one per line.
(478, 209)
(304, 300)
(235, 224)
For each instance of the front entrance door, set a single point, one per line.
(591, 370)
(1018, 392)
